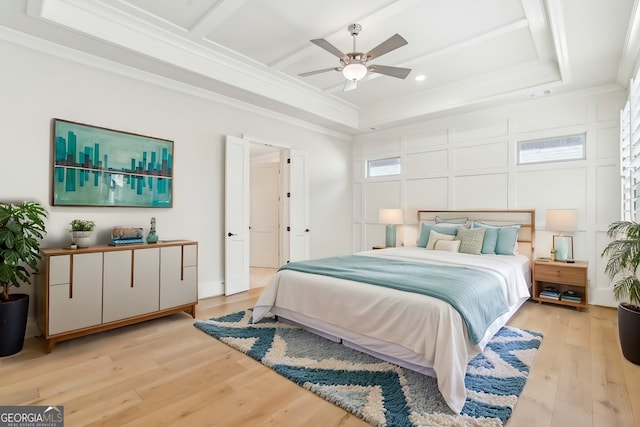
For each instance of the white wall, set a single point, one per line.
(468, 161)
(51, 82)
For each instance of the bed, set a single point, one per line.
(418, 331)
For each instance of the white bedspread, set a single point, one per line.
(421, 324)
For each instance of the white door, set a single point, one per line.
(299, 235)
(236, 220)
(265, 215)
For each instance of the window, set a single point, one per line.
(630, 153)
(558, 149)
(383, 167)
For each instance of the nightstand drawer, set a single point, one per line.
(561, 274)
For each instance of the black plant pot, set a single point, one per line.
(629, 330)
(13, 323)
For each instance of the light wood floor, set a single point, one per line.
(166, 372)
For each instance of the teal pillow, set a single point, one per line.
(423, 239)
(506, 244)
(471, 240)
(499, 239)
(490, 240)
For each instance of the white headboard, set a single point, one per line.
(525, 217)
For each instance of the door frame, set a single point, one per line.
(285, 188)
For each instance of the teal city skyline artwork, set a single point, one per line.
(95, 166)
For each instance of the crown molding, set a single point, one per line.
(471, 93)
(57, 51)
(109, 24)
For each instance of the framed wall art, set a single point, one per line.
(95, 166)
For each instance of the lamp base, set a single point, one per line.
(563, 247)
(390, 240)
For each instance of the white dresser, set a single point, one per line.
(93, 289)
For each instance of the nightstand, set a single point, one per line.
(568, 280)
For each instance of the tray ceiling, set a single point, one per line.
(471, 53)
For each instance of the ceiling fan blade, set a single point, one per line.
(311, 73)
(328, 47)
(349, 85)
(397, 72)
(386, 46)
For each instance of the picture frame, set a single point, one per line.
(563, 247)
(97, 166)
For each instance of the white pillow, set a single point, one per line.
(447, 245)
(434, 235)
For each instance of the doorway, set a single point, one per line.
(293, 218)
(265, 211)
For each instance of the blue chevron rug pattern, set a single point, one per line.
(382, 393)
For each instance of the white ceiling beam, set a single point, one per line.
(631, 49)
(559, 34)
(220, 12)
(539, 28)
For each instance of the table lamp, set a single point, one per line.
(390, 217)
(562, 220)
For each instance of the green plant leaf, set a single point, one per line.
(624, 260)
(21, 227)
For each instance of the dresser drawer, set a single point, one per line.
(561, 274)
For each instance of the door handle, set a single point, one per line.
(307, 230)
(231, 234)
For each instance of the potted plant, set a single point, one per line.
(624, 259)
(81, 230)
(21, 227)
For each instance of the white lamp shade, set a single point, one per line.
(354, 71)
(562, 220)
(390, 216)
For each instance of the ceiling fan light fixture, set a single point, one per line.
(354, 71)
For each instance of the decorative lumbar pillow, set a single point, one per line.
(435, 236)
(471, 240)
(425, 229)
(462, 220)
(447, 245)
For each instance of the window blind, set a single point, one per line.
(630, 153)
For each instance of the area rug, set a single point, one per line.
(382, 393)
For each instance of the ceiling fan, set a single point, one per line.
(355, 64)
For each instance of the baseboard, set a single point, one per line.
(210, 289)
(32, 328)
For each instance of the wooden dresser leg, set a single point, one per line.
(192, 310)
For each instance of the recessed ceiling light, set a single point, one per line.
(420, 77)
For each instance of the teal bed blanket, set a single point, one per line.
(477, 295)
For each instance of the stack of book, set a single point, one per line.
(566, 296)
(548, 294)
(127, 236)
